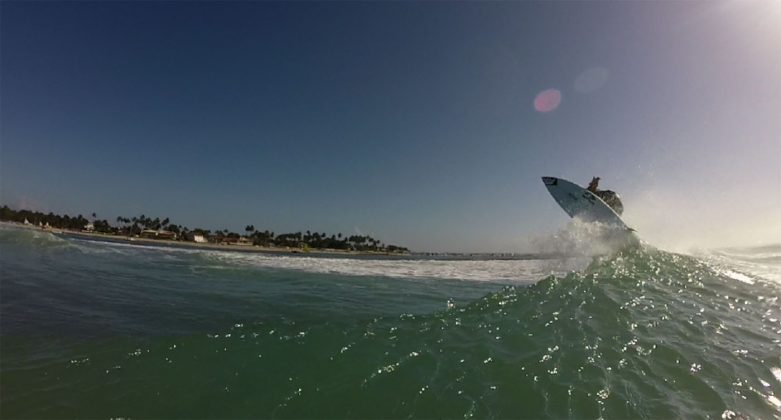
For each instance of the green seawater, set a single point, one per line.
(97, 330)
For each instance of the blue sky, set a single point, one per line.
(413, 122)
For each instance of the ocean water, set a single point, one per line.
(92, 329)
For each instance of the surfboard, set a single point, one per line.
(581, 203)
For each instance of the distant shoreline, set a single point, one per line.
(104, 237)
(275, 250)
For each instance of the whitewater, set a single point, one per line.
(96, 329)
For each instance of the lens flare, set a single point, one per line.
(591, 80)
(547, 100)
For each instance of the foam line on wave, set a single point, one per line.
(513, 271)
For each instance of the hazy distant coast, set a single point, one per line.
(148, 231)
(205, 246)
(67, 233)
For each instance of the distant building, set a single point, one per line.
(199, 239)
(89, 227)
(227, 240)
(157, 234)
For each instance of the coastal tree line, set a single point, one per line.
(136, 225)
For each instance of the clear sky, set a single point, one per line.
(418, 123)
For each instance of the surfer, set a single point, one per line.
(594, 184)
(609, 197)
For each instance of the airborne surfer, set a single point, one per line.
(609, 197)
(594, 184)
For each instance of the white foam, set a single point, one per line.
(738, 276)
(741, 269)
(506, 271)
(776, 373)
(520, 271)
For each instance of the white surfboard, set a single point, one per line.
(582, 203)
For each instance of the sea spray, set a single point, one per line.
(585, 239)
